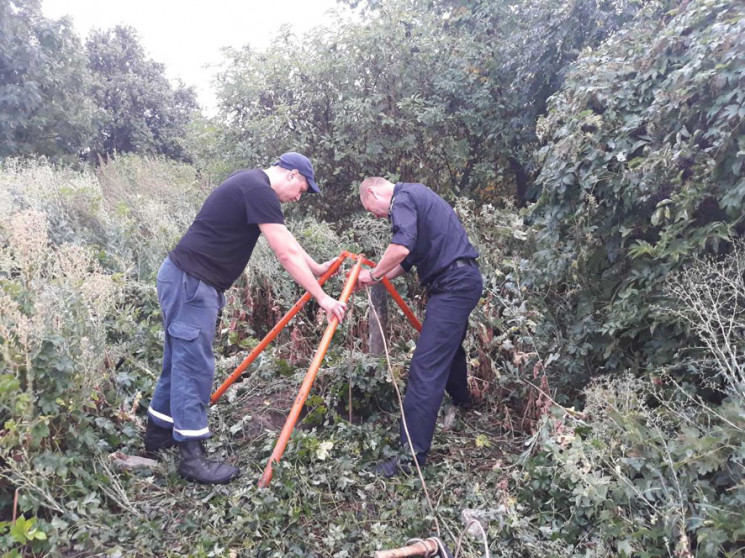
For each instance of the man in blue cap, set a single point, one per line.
(427, 233)
(191, 281)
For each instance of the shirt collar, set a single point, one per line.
(396, 188)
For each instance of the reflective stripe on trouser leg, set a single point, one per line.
(451, 300)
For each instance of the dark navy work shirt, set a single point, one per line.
(219, 242)
(425, 223)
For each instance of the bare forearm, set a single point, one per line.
(310, 262)
(294, 259)
(397, 271)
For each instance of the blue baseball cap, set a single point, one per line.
(292, 161)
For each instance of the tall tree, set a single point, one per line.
(142, 111)
(366, 98)
(445, 92)
(526, 48)
(44, 107)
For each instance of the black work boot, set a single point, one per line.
(157, 438)
(195, 466)
(465, 404)
(394, 466)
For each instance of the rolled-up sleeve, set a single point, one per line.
(404, 221)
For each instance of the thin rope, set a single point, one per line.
(403, 417)
(483, 535)
(350, 321)
(413, 454)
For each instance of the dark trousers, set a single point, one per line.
(439, 361)
(182, 396)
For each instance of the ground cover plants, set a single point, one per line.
(81, 349)
(604, 190)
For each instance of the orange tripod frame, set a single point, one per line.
(310, 375)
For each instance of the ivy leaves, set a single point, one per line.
(642, 170)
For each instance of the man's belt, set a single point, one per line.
(462, 262)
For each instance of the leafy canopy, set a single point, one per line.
(44, 107)
(143, 113)
(642, 169)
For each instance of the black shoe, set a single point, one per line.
(465, 405)
(393, 467)
(195, 466)
(157, 439)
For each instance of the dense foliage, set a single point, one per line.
(65, 101)
(44, 106)
(606, 356)
(642, 170)
(421, 91)
(143, 112)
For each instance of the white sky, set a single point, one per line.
(187, 35)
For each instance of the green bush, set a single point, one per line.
(650, 467)
(642, 170)
(77, 328)
(639, 473)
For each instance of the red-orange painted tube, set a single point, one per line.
(397, 297)
(404, 307)
(269, 337)
(310, 376)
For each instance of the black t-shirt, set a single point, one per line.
(219, 242)
(425, 223)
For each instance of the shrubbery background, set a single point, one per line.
(594, 151)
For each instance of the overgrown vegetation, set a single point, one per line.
(606, 354)
(642, 170)
(81, 343)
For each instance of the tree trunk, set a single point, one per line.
(379, 297)
(521, 182)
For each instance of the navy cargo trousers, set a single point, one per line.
(439, 361)
(189, 307)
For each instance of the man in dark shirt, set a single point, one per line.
(427, 234)
(207, 260)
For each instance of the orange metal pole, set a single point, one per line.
(404, 307)
(397, 297)
(269, 337)
(310, 376)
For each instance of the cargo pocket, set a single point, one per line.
(184, 331)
